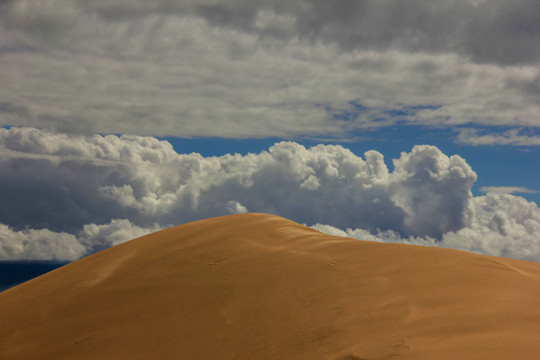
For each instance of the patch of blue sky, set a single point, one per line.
(213, 146)
(350, 113)
(407, 111)
(362, 116)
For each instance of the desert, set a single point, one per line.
(258, 286)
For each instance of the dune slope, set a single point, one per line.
(257, 286)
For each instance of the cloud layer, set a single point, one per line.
(507, 190)
(243, 69)
(65, 196)
(515, 137)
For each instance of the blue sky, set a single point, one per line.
(435, 106)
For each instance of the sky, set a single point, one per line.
(391, 120)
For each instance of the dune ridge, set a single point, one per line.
(257, 286)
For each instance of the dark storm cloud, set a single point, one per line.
(504, 32)
(64, 206)
(498, 31)
(266, 68)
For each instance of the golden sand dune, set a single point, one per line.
(257, 286)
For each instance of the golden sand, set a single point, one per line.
(257, 286)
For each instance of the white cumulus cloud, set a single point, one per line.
(499, 225)
(65, 196)
(44, 244)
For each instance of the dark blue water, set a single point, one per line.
(13, 273)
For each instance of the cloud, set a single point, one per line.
(242, 69)
(507, 190)
(44, 244)
(99, 178)
(500, 225)
(41, 244)
(66, 196)
(494, 31)
(504, 225)
(509, 137)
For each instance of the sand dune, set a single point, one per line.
(257, 286)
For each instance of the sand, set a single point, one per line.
(257, 286)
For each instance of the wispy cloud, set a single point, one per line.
(509, 137)
(507, 190)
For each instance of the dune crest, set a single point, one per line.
(257, 286)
